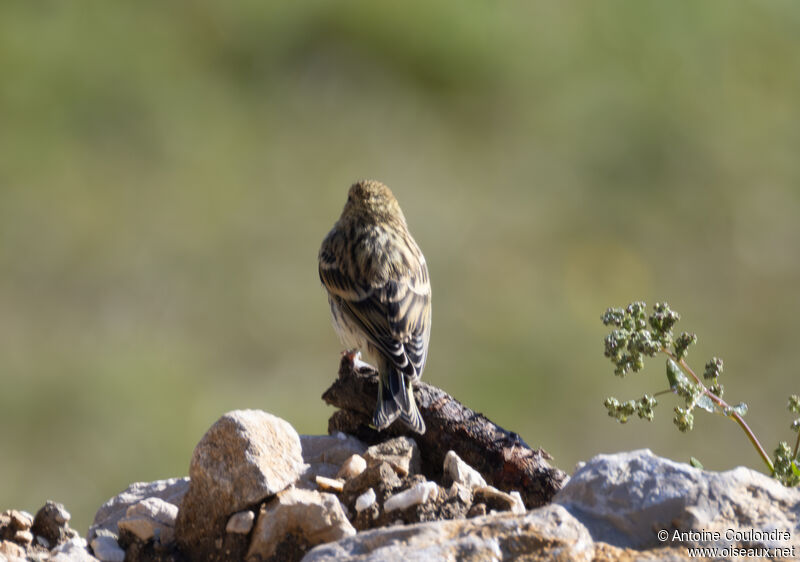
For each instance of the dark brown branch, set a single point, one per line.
(502, 457)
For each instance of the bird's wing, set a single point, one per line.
(395, 315)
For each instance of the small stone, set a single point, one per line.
(401, 453)
(459, 471)
(418, 494)
(497, 500)
(11, 551)
(352, 467)
(312, 516)
(241, 523)
(330, 484)
(145, 517)
(365, 500)
(106, 518)
(23, 537)
(73, 550)
(331, 449)
(382, 478)
(477, 510)
(519, 505)
(20, 520)
(325, 454)
(106, 549)
(51, 523)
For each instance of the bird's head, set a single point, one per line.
(371, 200)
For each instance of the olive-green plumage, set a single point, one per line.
(380, 296)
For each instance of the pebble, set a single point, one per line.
(106, 549)
(240, 523)
(352, 467)
(365, 500)
(419, 494)
(333, 484)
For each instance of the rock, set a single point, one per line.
(457, 501)
(365, 500)
(245, 457)
(109, 514)
(150, 516)
(314, 517)
(401, 453)
(331, 449)
(330, 484)
(73, 550)
(325, 454)
(419, 494)
(52, 523)
(497, 500)
(241, 523)
(477, 510)
(23, 537)
(106, 549)
(41, 541)
(352, 467)
(546, 533)
(20, 520)
(11, 551)
(457, 470)
(625, 499)
(381, 478)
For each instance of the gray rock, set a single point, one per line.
(106, 549)
(401, 453)
(627, 498)
(457, 470)
(315, 517)
(73, 550)
(109, 514)
(240, 523)
(245, 457)
(331, 449)
(150, 516)
(549, 532)
(325, 454)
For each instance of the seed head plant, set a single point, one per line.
(636, 336)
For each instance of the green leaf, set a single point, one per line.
(675, 375)
(703, 401)
(795, 468)
(740, 408)
(695, 463)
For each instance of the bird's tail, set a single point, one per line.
(396, 399)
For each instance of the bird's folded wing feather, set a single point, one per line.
(394, 315)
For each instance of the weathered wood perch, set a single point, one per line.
(501, 456)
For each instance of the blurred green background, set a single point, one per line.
(167, 172)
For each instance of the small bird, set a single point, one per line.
(380, 296)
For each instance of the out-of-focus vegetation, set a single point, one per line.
(167, 172)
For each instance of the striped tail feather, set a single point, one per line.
(396, 399)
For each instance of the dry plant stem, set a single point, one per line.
(735, 415)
